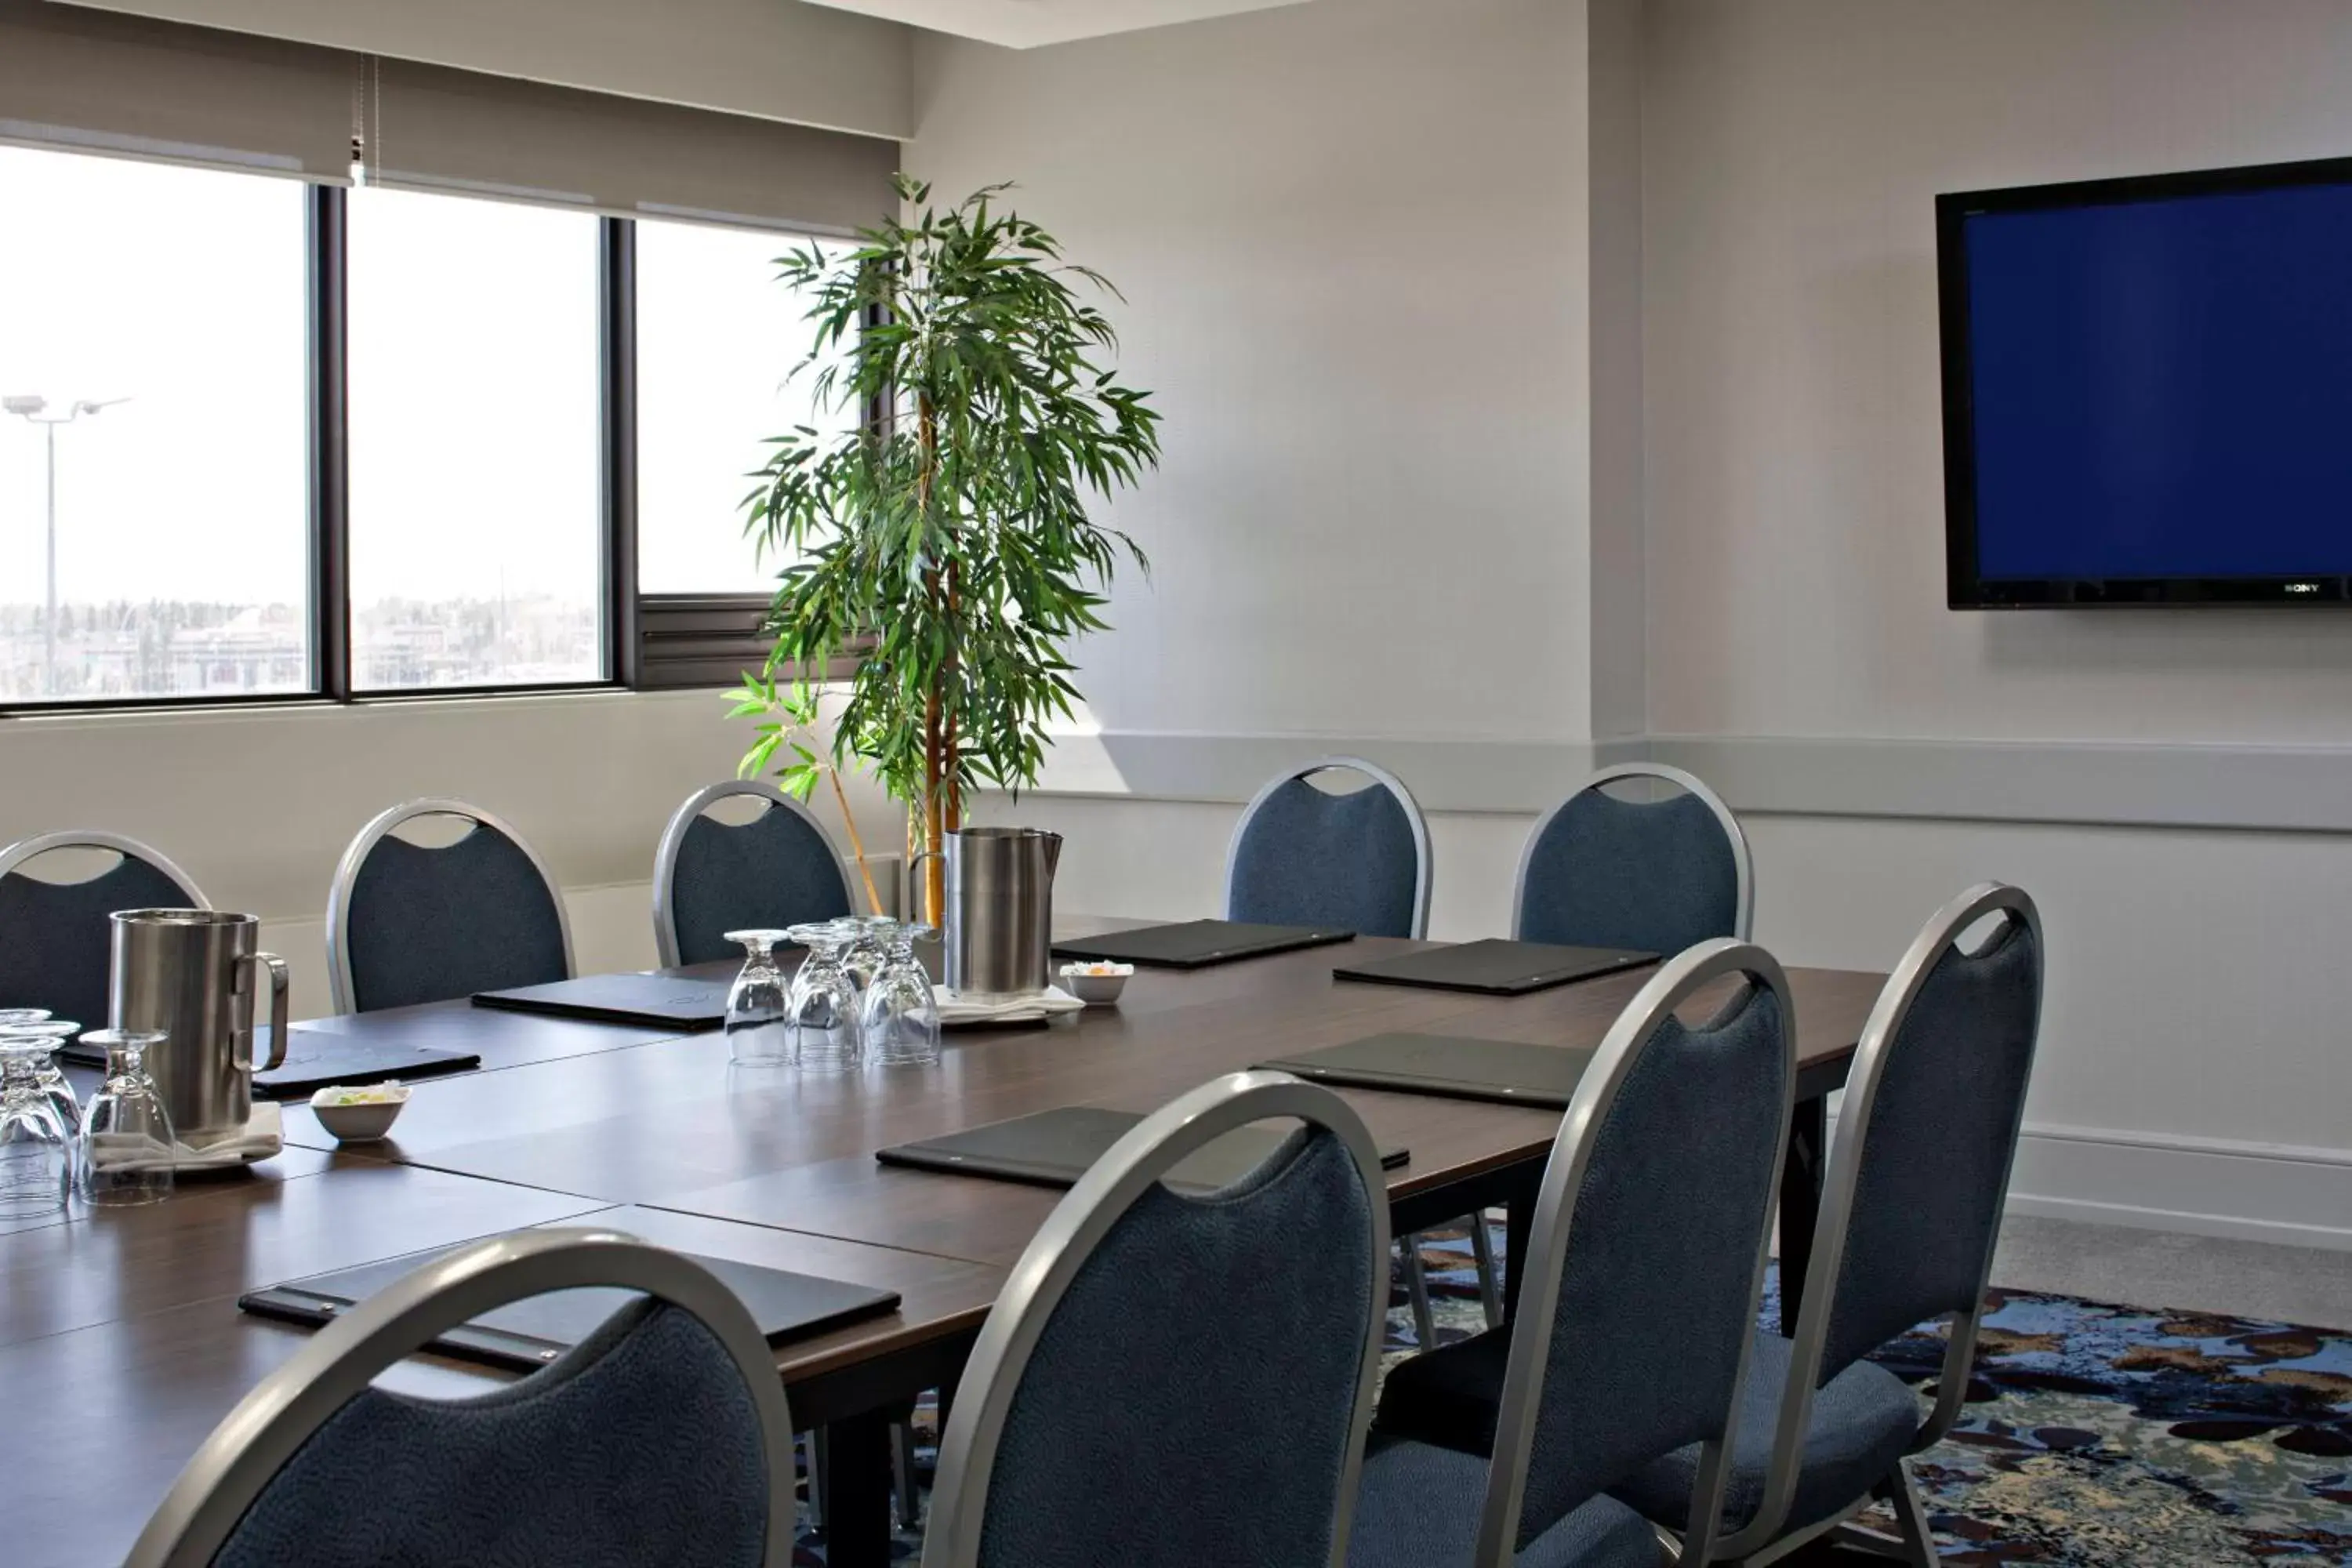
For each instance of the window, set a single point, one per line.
(477, 527)
(154, 500)
(718, 339)
(273, 439)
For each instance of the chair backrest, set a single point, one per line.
(1919, 1173)
(56, 946)
(1656, 875)
(1646, 1261)
(1303, 856)
(1108, 1416)
(408, 923)
(776, 870)
(663, 1437)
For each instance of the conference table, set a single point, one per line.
(121, 1344)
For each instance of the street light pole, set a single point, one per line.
(30, 408)
(50, 620)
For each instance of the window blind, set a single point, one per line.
(431, 128)
(98, 82)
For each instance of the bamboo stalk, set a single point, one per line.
(856, 842)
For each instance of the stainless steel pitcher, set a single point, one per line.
(194, 974)
(999, 914)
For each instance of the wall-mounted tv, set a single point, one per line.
(2147, 390)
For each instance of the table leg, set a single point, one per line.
(1800, 1203)
(857, 1503)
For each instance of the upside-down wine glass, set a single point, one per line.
(866, 956)
(51, 1077)
(126, 1151)
(759, 1023)
(35, 1155)
(901, 1020)
(823, 1003)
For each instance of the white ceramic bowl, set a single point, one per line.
(1096, 985)
(360, 1123)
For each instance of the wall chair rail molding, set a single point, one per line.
(2257, 788)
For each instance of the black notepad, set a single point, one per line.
(1496, 968)
(529, 1334)
(1196, 944)
(1054, 1148)
(662, 1001)
(318, 1057)
(1508, 1071)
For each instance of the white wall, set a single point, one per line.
(1796, 502)
(1788, 565)
(2193, 1048)
(256, 805)
(1353, 236)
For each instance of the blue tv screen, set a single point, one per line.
(2149, 390)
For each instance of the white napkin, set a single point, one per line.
(955, 1010)
(264, 1135)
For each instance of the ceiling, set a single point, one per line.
(1025, 24)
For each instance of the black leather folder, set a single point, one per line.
(659, 1001)
(1507, 1071)
(529, 1334)
(1495, 967)
(1054, 1148)
(1196, 944)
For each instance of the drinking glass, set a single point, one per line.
(823, 1003)
(56, 1032)
(900, 1022)
(871, 951)
(35, 1155)
(125, 1153)
(759, 1027)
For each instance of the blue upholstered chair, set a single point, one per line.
(710, 876)
(1304, 857)
(1170, 1381)
(1637, 1310)
(1602, 869)
(410, 922)
(55, 944)
(1910, 1210)
(662, 1438)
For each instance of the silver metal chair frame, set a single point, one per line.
(1379, 775)
(1069, 1237)
(1549, 1238)
(254, 1442)
(674, 837)
(339, 891)
(1757, 1544)
(15, 855)
(1744, 907)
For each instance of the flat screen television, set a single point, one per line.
(2147, 390)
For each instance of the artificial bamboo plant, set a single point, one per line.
(945, 541)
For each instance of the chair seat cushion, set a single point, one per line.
(1419, 1507)
(1863, 1420)
(1449, 1395)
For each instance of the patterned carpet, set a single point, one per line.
(2095, 1437)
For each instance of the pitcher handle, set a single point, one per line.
(915, 885)
(278, 1010)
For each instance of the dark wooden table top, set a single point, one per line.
(121, 1329)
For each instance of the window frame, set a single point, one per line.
(649, 642)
